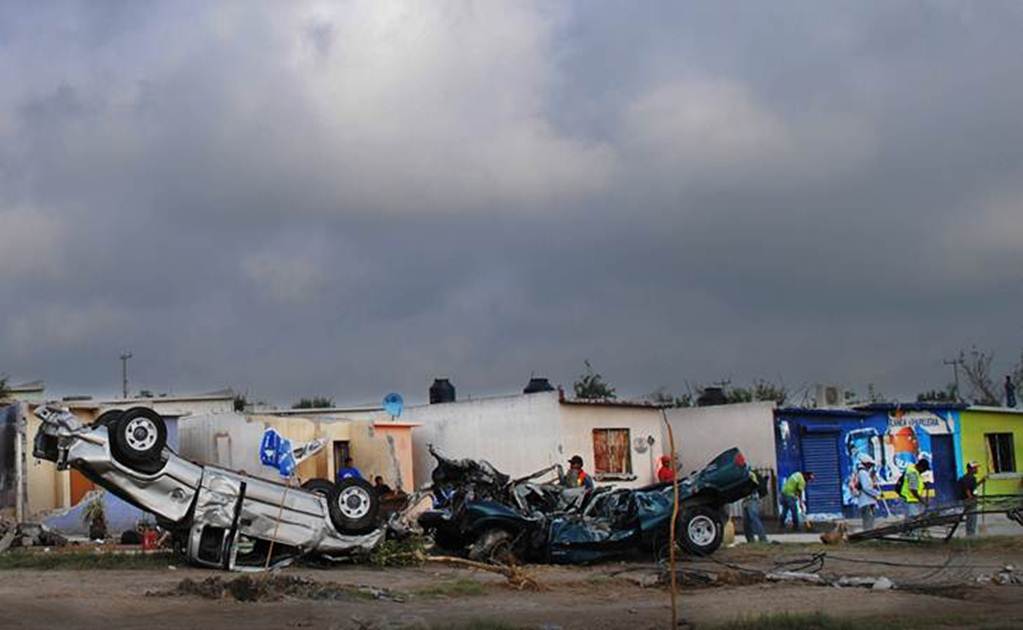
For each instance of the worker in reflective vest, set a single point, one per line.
(913, 491)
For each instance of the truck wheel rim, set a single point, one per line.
(354, 502)
(140, 434)
(702, 530)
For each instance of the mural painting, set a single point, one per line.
(893, 438)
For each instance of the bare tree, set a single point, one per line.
(976, 366)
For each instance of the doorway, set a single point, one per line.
(943, 462)
(342, 451)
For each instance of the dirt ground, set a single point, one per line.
(940, 590)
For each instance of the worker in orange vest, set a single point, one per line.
(576, 477)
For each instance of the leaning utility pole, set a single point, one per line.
(124, 373)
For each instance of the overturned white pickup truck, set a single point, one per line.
(220, 518)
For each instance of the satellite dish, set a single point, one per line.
(393, 404)
(640, 444)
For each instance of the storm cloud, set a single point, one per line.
(348, 198)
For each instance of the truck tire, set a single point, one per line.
(700, 530)
(353, 506)
(318, 486)
(107, 418)
(138, 437)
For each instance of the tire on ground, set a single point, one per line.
(138, 436)
(700, 530)
(353, 506)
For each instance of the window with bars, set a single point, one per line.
(611, 453)
(1002, 452)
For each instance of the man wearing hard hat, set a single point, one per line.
(865, 490)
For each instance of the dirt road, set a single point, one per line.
(939, 588)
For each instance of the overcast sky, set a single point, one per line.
(350, 198)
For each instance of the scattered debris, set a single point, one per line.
(270, 588)
(14, 534)
(1006, 577)
(794, 576)
(876, 583)
(836, 536)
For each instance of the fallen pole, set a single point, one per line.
(518, 578)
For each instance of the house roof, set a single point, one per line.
(988, 409)
(611, 402)
(317, 411)
(913, 406)
(32, 386)
(821, 412)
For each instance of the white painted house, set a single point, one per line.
(619, 441)
(702, 433)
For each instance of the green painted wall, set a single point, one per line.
(975, 423)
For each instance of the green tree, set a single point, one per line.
(5, 390)
(591, 385)
(240, 402)
(316, 402)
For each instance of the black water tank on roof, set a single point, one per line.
(442, 391)
(711, 396)
(537, 385)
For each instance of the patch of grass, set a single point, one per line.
(459, 587)
(82, 561)
(399, 553)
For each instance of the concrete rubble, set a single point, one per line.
(1007, 576)
(13, 534)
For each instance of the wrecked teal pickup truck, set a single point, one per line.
(492, 517)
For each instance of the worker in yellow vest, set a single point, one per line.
(913, 490)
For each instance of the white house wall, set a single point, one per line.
(517, 434)
(579, 421)
(702, 433)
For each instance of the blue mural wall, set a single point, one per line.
(120, 516)
(893, 435)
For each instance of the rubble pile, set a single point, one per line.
(271, 588)
(1007, 576)
(14, 534)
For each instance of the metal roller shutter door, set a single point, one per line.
(820, 456)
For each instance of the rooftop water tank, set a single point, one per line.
(442, 391)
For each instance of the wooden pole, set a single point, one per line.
(674, 518)
(277, 525)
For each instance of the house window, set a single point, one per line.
(612, 456)
(1002, 452)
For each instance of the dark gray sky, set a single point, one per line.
(349, 198)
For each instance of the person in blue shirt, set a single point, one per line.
(349, 470)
